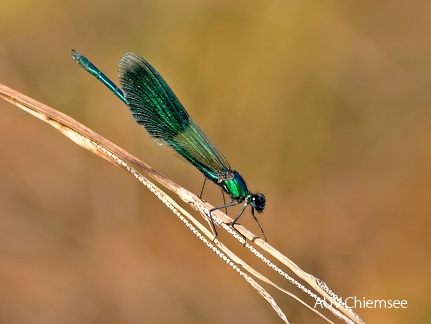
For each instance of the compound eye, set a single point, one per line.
(258, 201)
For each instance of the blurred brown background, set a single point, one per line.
(324, 106)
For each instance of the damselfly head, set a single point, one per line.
(257, 201)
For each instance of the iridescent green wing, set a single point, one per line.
(154, 105)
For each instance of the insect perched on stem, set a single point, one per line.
(154, 105)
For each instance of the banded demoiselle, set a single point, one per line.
(154, 105)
